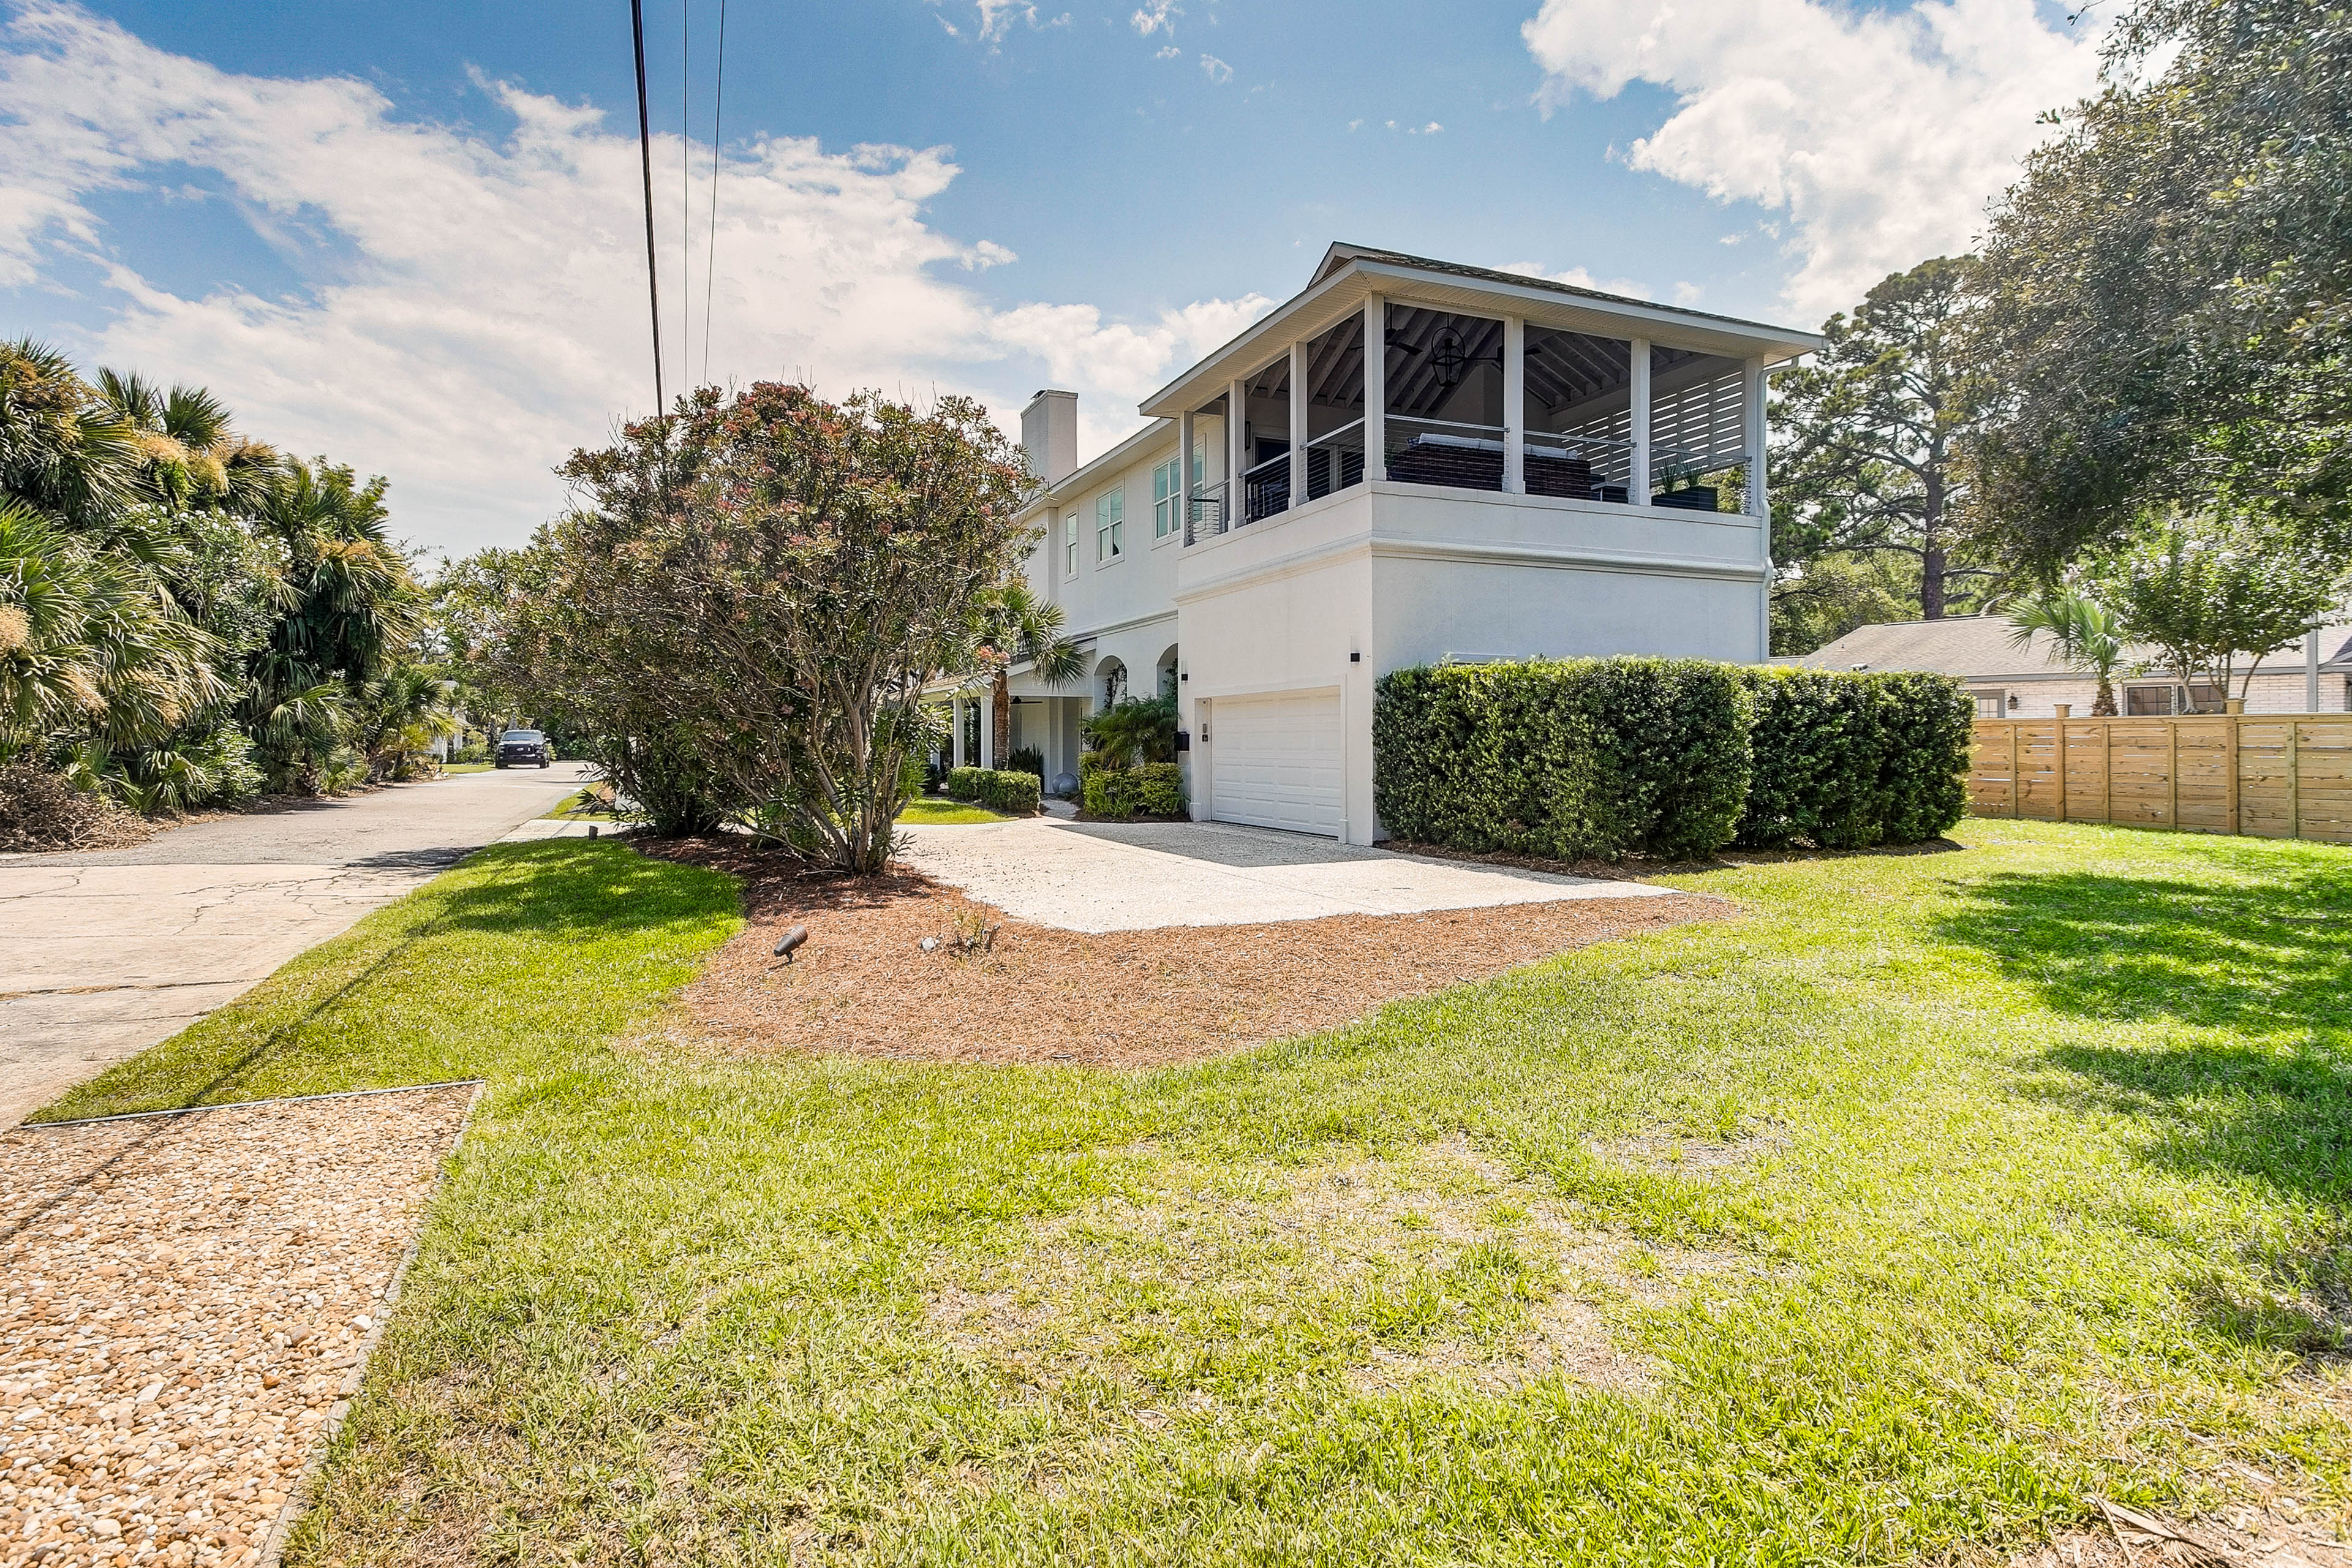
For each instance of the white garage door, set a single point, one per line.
(1276, 762)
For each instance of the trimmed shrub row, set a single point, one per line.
(1846, 760)
(999, 791)
(1576, 758)
(1153, 789)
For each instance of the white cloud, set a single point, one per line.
(1168, 52)
(1578, 277)
(1881, 134)
(484, 312)
(1215, 70)
(1156, 15)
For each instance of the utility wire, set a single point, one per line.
(685, 187)
(710, 253)
(646, 159)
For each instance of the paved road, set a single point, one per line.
(103, 955)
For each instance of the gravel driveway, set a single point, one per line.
(104, 953)
(1107, 877)
(185, 1303)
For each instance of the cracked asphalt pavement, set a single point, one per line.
(103, 955)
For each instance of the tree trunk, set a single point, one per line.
(1932, 565)
(1001, 702)
(2104, 706)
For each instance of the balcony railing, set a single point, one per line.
(1334, 461)
(1266, 490)
(1204, 512)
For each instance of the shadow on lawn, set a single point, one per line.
(2267, 958)
(2266, 1095)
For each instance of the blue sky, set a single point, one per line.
(408, 236)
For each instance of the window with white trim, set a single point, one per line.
(1070, 545)
(1110, 525)
(1164, 498)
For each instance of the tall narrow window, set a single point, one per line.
(1070, 545)
(1164, 499)
(1110, 525)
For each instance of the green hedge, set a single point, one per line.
(1566, 759)
(1013, 792)
(1846, 760)
(1155, 789)
(1575, 759)
(1016, 791)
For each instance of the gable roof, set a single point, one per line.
(1348, 274)
(1980, 647)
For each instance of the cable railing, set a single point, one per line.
(1204, 512)
(1266, 490)
(1444, 452)
(1334, 461)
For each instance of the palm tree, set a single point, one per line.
(89, 640)
(1012, 626)
(2087, 634)
(347, 604)
(63, 452)
(187, 457)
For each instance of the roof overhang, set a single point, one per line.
(1346, 285)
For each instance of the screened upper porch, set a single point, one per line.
(1478, 403)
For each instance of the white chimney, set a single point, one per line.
(1049, 435)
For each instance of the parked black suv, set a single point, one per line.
(517, 747)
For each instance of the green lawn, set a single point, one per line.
(465, 768)
(2036, 1190)
(938, 809)
(570, 808)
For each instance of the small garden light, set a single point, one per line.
(789, 941)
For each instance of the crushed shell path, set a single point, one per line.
(186, 1301)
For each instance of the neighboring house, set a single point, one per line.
(2030, 682)
(1523, 468)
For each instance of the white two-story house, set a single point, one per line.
(1516, 469)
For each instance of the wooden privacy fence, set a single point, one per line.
(2285, 775)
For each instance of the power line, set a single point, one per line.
(646, 159)
(710, 254)
(685, 185)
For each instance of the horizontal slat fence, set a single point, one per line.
(2274, 776)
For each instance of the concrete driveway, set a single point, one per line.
(102, 955)
(1102, 877)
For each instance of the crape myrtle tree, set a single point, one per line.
(1867, 468)
(778, 576)
(2168, 288)
(2207, 590)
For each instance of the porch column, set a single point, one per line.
(1297, 425)
(955, 731)
(1760, 504)
(1637, 483)
(987, 733)
(1184, 475)
(1236, 453)
(1376, 388)
(1515, 405)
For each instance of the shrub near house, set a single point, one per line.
(1014, 791)
(1576, 759)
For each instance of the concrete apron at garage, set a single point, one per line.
(1103, 876)
(104, 953)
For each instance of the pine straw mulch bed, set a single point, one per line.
(1123, 999)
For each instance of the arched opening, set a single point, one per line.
(1110, 683)
(1167, 681)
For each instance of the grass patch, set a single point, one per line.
(584, 805)
(936, 811)
(448, 768)
(1937, 1194)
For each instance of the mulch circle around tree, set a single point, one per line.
(862, 983)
